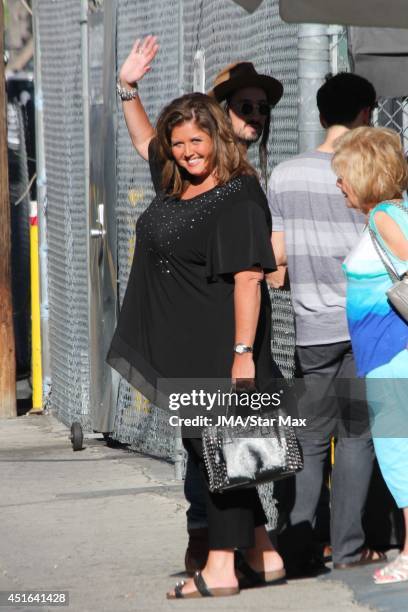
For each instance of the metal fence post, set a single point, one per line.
(41, 208)
(86, 168)
(314, 64)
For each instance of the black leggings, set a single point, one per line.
(232, 516)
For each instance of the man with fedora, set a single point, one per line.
(247, 98)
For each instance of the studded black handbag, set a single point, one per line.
(239, 457)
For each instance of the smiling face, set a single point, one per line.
(248, 111)
(192, 149)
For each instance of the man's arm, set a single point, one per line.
(136, 65)
(278, 279)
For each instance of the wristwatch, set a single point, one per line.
(240, 349)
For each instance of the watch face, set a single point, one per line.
(241, 348)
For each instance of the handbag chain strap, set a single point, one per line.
(382, 253)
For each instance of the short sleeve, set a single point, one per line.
(240, 240)
(155, 164)
(274, 204)
(400, 217)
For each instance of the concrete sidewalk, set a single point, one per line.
(109, 526)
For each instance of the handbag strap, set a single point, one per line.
(382, 253)
(392, 273)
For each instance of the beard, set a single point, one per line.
(248, 140)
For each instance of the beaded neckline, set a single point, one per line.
(216, 191)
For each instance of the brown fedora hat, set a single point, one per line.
(243, 74)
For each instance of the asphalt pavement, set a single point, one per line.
(107, 526)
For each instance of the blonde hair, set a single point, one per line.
(372, 162)
(228, 158)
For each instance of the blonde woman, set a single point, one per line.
(372, 174)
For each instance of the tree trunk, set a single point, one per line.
(7, 351)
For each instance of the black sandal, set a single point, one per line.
(202, 590)
(251, 578)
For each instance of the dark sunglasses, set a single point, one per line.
(247, 108)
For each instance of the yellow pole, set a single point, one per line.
(36, 366)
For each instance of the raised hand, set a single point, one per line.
(138, 61)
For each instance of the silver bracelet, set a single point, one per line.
(127, 94)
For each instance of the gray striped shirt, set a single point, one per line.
(319, 233)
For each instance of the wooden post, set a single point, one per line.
(7, 351)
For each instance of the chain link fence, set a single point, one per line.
(391, 112)
(59, 32)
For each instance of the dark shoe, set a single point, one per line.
(197, 550)
(202, 590)
(251, 578)
(366, 558)
(307, 569)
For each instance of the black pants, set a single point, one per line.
(347, 418)
(232, 516)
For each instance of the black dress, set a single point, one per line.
(177, 317)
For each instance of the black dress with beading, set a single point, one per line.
(177, 317)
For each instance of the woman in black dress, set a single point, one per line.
(197, 307)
